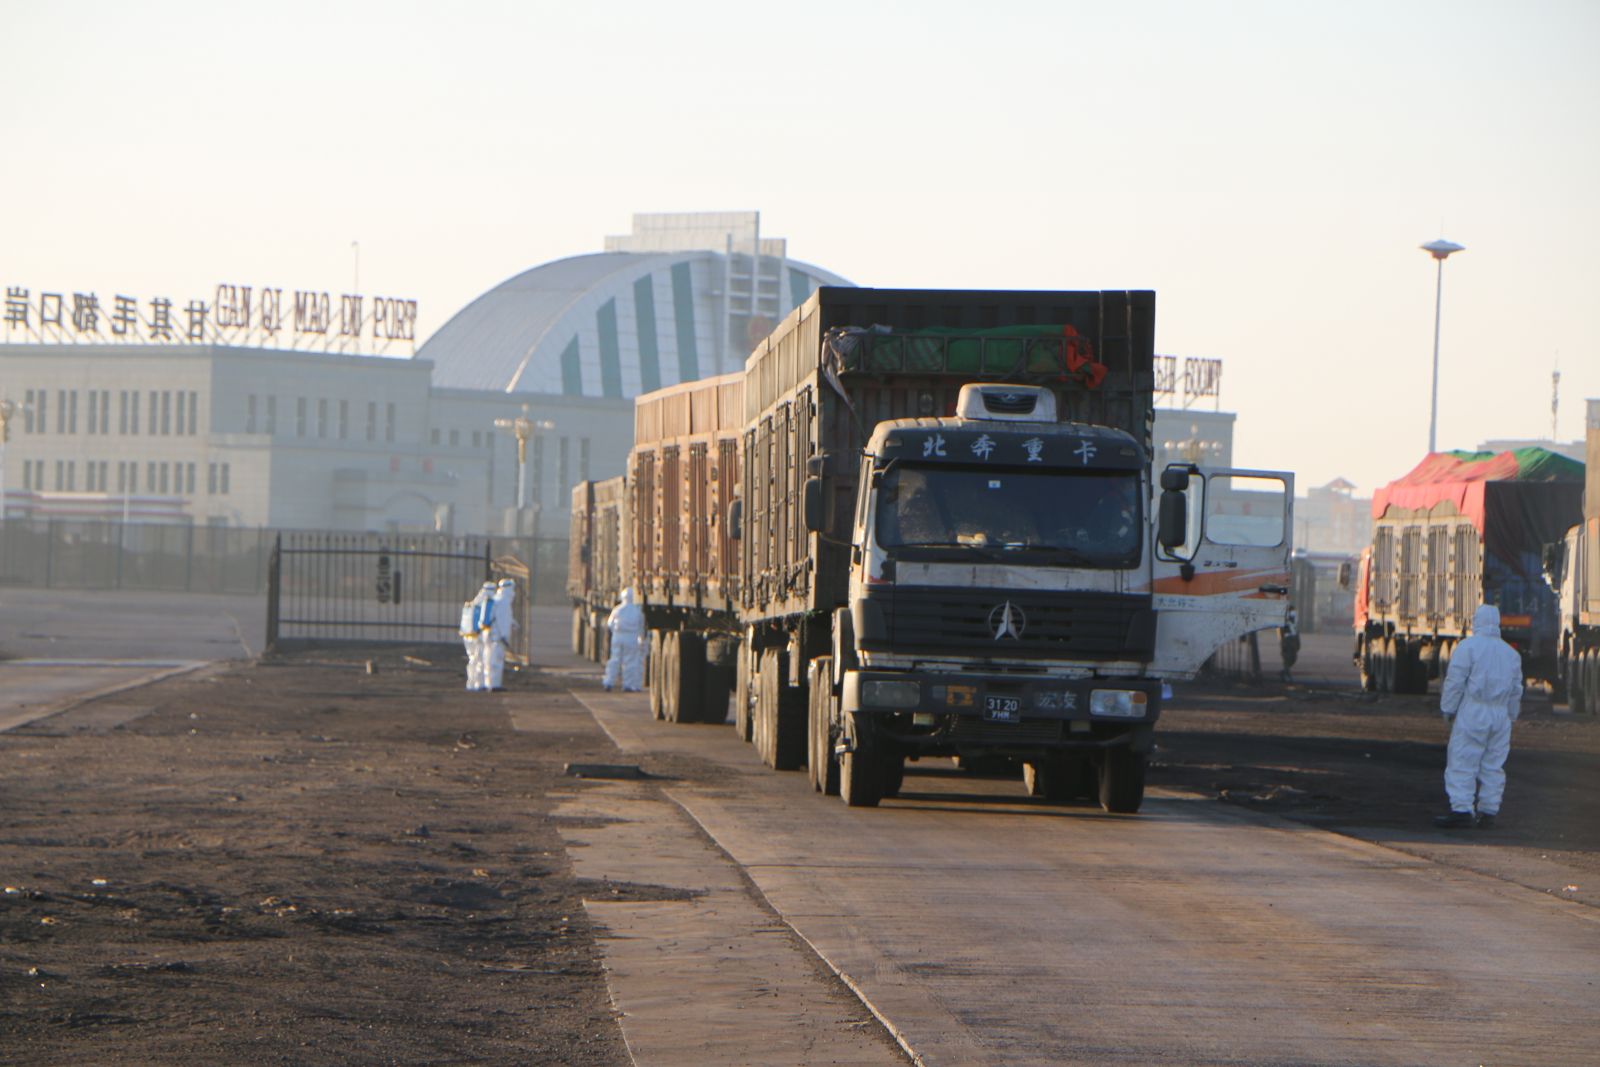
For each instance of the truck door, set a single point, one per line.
(1230, 577)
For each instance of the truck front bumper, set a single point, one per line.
(940, 711)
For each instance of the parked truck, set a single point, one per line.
(1573, 569)
(1460, 529)
(942, 539)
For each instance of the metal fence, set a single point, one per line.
(83, 554)
(400, 588)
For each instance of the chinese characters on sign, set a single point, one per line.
(236, 314)
(1200, 377)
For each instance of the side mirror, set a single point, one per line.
(1173, 523)
(736, 518)
(815, 505)
(1175, 479)
(1346, 572)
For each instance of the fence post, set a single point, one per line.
(274, 574)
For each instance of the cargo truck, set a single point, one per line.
(1573, 569)
(1460, 529)
(947, 541)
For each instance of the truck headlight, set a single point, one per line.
(1117, 703)
(886, 694)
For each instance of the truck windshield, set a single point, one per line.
(1091, 517)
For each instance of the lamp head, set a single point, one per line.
(1441, 248)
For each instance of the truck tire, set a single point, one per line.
(822, 765)
(1410, 672)
(1122, 780)
(1366, 667)
(715, 690)
(893, 766)
(1386, 665)
(580, 629)
(655, 683)
(1589, 680)
(686, 676)
(780, 718)
(860, 769)
(744, 686)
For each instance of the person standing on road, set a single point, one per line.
(1483, 696)
(482, 623)
(469, 638)
(626, 663)
(500, 633)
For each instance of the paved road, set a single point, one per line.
(983, 927)
(60, 646)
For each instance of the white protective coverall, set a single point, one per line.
(500, 632)
(469, 639)
(1483, 694)
(626, 664)
(482, 622)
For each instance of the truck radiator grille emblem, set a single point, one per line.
(1007, 620)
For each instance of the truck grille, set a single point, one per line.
(1009, 624)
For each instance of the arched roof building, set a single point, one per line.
(682, 297)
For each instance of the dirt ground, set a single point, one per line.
(296, 861)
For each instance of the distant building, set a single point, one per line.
(228, 435)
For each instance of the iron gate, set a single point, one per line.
(372, 587)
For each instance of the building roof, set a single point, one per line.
(487, 344)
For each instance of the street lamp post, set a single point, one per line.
(523, 428)
(1440, 250)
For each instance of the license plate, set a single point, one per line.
(1002, 709)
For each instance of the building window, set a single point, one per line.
(272, 415)
(194, 413)
(225, 468)
(433, 435)
(388, 421)
(61, 411)
(300, 416)
(563, 468)
(133, 411)
(477, 438)
(455, 438)
(94, 411)
(27, 412)
(44, 409)
(250, 414)
(211, 478)
(122, 411)
(322, 417)
(165, 484)
(179, 427)
(372, 420)
(27, 474)
(188, 470)
(150, 477)
(166, 413)
(344, 420)
(583, 459)
(152, 421)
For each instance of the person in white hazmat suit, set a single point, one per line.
(469, 639)
(500, 633)
(482, 622)
(626, 663)
(1483, 696)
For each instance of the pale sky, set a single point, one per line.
(1269, 168)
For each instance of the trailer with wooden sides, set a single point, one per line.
(599, 562)
(920, 524)
(683, 475)
(1460, 529)
(1573, 569)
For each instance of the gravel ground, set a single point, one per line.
(298, 862)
